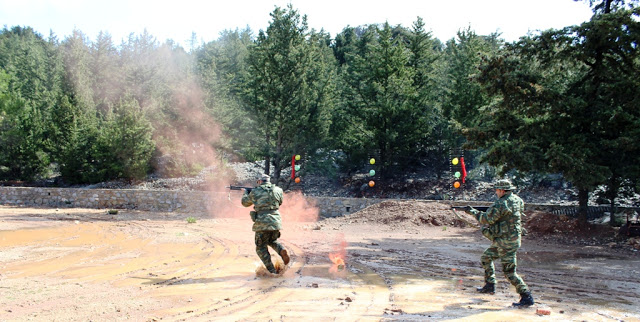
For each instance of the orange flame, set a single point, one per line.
(338, 255)
(338, 263)
(336, 259)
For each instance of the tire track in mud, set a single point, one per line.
(79, 246)
(213, 255)
(242, 297)
(361, 293)
(574, 283)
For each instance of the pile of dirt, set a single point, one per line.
(561, 229)
(542, 226)
(543, 223)
(420, 213)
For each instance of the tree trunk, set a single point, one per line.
(583, 203)
(277, 169)
(607, 6)
(612, 191)
(277, 159)
(267, 165)
(612, 211)
(267, 158)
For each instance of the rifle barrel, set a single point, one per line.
(480, 208)
(240, 188)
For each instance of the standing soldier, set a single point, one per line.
(266, 198)
(504, 229)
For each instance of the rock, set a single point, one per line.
(543, 311)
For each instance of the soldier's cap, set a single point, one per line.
(265, 177)
(504, 184)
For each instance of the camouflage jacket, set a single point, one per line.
(266, 200)
(504, 217)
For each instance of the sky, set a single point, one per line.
(177, 20)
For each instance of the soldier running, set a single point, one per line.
(504, 229)
(266, 198)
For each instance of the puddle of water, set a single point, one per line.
(323, 271)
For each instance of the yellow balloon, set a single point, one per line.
(456, 184)
(372, 161)
(454, 161)
(297, 157)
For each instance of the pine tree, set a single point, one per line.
(568, 103)
(286, 89)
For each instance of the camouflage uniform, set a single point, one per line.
(503, 219)
(266, 199)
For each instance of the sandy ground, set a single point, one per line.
(85, 264)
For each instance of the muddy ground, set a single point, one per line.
(403, 261)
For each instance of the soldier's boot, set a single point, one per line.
(285, 256)
(269, 266)
(488, 288)
(526, 300)
(271, 269)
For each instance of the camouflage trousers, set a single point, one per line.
(505, 250)
(266, 238)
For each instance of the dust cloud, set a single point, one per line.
(295, 207)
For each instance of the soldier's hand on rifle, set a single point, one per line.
(468, 208)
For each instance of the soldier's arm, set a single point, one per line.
(492, 215)
(246, 199)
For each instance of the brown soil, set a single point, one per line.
(402, 261)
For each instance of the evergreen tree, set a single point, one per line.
(380, 99)
(425, 58)
(221, 67)
(463, 96)
(127, 142)
(568, 103)
(286, 90)
(32, 88)
(21, 155)
(106, 73)
(78, 74)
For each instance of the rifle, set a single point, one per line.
(248, 189)
(480, 208)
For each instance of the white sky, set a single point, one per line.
(207, 18)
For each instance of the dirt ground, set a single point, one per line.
(403, 261)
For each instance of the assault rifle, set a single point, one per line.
(464, 208)
(248, 189)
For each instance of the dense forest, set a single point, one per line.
(561, 101)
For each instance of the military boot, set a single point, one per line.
(489, 288)
(271, 269)
(526, 300)
(285, 256)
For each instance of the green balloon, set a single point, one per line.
(372, 172)
(457, 174)
(297, 167)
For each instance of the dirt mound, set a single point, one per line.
(421, 213)
(544, 223)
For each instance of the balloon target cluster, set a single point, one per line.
(372, 172)
(295, 168)
(459, 171)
